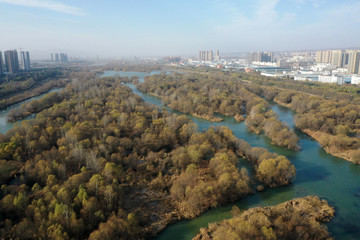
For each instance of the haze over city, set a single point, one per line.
(114, 29)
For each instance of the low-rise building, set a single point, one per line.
(331, 79)
(304, 77)
(355, 79)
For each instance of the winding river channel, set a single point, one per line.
(318, 173)
(4, 125)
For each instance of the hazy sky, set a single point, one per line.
(117, 28)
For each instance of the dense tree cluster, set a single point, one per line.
(204, 95)
(102, 164)
(130, 67)
(323, 90)
(35, 106)
(301, 218)
(336, 121)
(23, 81)
(38, 89)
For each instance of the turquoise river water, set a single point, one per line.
(4, 125)
(318, 173)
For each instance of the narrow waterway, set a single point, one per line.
(318, 173)
(6, 126)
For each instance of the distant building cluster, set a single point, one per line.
(341, 58)
(209, 55)
(59, 57)
(10, 62)
(325, 66)
(260, 57)
(172, 60)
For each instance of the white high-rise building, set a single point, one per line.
(25, 60)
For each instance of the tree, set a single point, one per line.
(276, 172)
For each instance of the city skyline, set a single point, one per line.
(160, 28)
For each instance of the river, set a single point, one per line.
(6, 126)
(318, 173)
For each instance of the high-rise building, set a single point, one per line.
(217, 55)
(52, 57)
(57, 59)
(337, 58)
(253, 57)
(318, 57)
(354, 62)
(324, 56)
(25, 60)
(27, 66)
(206, 55)
(210, 55)
(63, 57)
(1, 64)
(260, 57)
(266, 57)
(12, 61)
(345, 60)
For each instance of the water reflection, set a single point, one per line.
(318, 173)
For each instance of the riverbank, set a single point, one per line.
(316, 171)
(333, 150)
(207, 117)
(5, 103)
(287, 105)
(345, 154)
(202, 116)
(299, 218)
(239, 118)
(5, 125)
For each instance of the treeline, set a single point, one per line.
(35, 106)
(300, 218)
(334, 122)
(324, 90)
(43, 88)
(130, 67)
(102, 164)
(204, 95)
(23, 81)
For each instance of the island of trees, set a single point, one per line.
(22, 86)
(300, 218)
(327, 112)
(101, 164)
(204, 95)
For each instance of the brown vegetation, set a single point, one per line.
(103, 164)
(300, 218)
(204, 95)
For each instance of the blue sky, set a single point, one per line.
(110, 28)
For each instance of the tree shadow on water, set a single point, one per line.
(311, 173)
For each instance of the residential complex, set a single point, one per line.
(25, 61)
(354, 62)
(327, 66)
(208, 55)
(59, 57)
(9, 62)
(260, 57)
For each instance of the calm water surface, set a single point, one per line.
(318, 173)
(4, 125)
